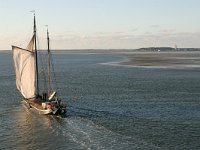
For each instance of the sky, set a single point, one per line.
(101, 24)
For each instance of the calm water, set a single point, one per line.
(109, 107)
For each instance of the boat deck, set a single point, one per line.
(36, 103)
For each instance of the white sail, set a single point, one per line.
(24, 62)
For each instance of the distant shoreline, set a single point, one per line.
(145, 49)
(134, 58)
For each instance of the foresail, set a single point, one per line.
(24, 62)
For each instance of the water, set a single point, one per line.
(109, 107)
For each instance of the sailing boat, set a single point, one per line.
(27, 79)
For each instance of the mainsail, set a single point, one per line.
(24, 62)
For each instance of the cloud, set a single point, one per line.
(154, 26)
(109, 40)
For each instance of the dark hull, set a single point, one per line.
(37, 105)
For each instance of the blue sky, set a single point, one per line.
(101, 24)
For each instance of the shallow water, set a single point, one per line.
(109, 107)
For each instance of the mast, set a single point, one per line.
(36, 62)
(49, 64)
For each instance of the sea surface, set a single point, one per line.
(109, 107)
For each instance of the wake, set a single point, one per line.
(88, 135)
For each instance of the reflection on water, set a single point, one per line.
(35, 131)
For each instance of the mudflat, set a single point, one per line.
(163, 59)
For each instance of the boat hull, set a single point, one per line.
(37, 105)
